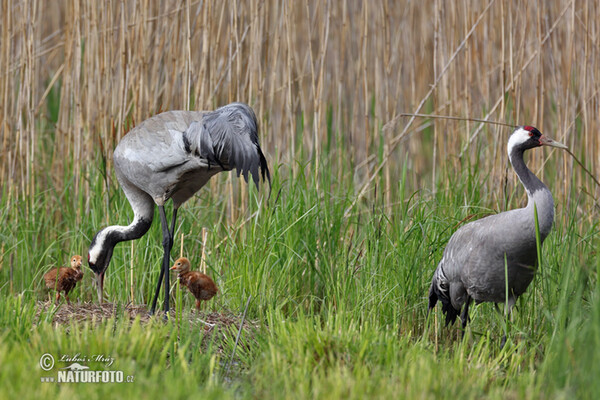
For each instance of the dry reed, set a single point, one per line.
(113, 64)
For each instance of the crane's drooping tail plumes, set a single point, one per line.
(439, 291)
(229, 136)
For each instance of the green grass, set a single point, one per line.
(340, 302)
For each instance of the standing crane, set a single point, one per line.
(481, 253)
(171, 156)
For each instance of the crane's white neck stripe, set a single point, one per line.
(97, 246)
(111, 235)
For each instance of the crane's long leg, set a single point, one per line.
(158, 285)
(167, 259)
(167, 246)
(464, 317)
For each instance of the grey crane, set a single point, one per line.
(479, 253)
(172, 155)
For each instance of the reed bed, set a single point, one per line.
(327, 79)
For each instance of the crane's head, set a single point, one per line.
(528, 137)
(99, 255)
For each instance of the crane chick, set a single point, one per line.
(201, 285)
(64, 279)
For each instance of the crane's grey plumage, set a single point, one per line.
(473, 264)
(171, 156)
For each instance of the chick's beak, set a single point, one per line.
(173, 267)
(546, 141)
(100, 286)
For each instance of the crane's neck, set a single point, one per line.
(136, 229)
(539, 197)
(106, 239)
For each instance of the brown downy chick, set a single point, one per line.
(201, 285)
(67, 278)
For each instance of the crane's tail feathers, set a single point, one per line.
(264, 169)
(451, 312)
(233, 140)
(436, 293)
(432, 299)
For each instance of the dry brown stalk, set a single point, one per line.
(75, 77)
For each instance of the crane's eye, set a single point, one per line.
(530, 134)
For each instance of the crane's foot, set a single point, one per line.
(153, 312)
(165, 316)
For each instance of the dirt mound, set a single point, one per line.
(65, 314)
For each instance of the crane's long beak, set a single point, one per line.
(100, 286)
(545, 140)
